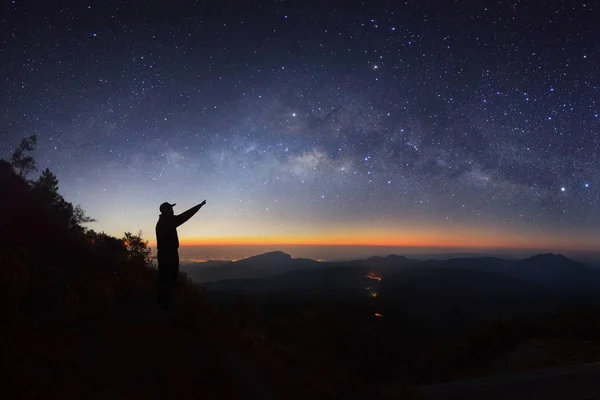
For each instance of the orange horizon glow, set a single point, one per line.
(389, 234)
(480, 241)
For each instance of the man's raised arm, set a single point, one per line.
(184, 216)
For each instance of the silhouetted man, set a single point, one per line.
(167, 244)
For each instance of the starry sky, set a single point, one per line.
(460, 124)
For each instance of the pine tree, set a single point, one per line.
(24, 164)
(46, 187)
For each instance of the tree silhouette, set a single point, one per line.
(137, 249)
(45, 188)
(22, 163)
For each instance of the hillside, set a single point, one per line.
(79, 318)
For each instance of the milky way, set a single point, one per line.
(422, 122)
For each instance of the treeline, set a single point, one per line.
(52, 266)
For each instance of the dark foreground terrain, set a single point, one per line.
(574, 382)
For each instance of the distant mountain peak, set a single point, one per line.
(388, 257)
(277, 253)
(549, 260)
(275, 256)
(396, 256)
(548, 257)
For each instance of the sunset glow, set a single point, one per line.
(413, 238)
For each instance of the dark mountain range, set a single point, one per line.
(374, 262)
(438, 281)
(465, 283)
(259, 266)
(330, 281)
(277, 263)
(447, 256)
(445, 296)
(550, 271)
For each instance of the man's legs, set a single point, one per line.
(170, 275)
(172, 288)
(163, 278)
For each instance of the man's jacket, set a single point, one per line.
(166, 228)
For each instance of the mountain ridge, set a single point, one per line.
(547, 269)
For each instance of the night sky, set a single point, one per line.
(439, 123)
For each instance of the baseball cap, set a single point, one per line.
(165, 207)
